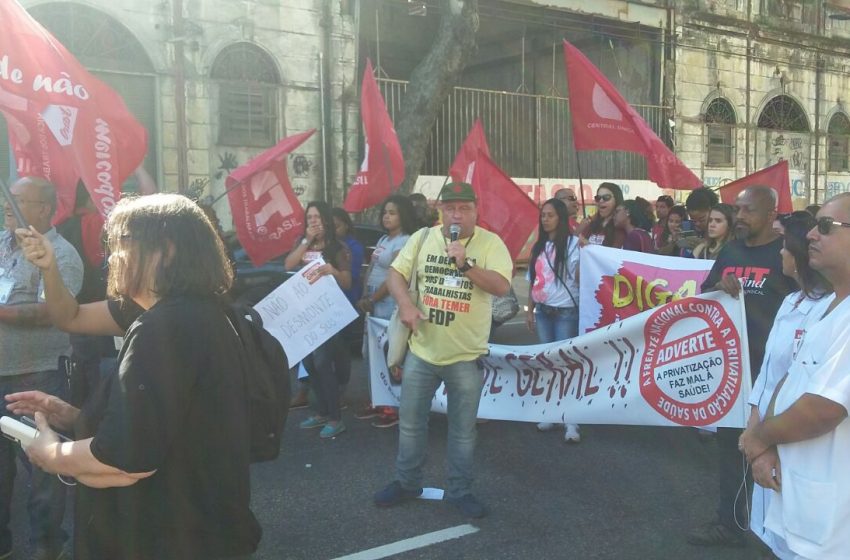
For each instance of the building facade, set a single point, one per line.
(216, 82)
(731, 85)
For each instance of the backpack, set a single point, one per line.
(266, 372)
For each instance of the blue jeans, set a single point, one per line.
(420, 380)
(555, 323)
(47, 493)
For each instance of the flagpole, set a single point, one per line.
(13, 204)
(222, 195)
(388, 165)
(580, 183)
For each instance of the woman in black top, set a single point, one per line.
(162, 449)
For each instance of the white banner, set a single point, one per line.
(616, 284)
(305, 311)
(683, 364)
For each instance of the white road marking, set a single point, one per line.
(412, 543)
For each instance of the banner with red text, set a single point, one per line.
(616, 284)
(682, 364)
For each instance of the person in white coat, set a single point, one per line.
(798, 312)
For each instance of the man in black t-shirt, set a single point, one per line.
(751, 262)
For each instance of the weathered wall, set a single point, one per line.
(292, 33)
(711, 61)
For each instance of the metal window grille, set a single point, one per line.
(783, 113)
(530, 136)
(720, 133)
(838, 134)
(247, 96)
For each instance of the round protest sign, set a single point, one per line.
(691, 367)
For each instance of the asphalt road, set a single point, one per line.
(622, 493)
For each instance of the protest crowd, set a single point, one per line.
(157, 475)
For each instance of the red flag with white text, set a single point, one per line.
(463, 167)
(64, 124)
(603, 120)
(382, 170)
(775, 177)
(267, 214)
(503, 207)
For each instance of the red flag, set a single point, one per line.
(775, 177)
(266, 213)
(382, 170)
(603, 120)
(64, 123)
(463, 166)
(503, 207)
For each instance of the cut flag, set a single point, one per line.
(382, 170)
(64, 124)
(463, 167)
(775, 177)
(266, 212)
(603, 120)
(503, 207)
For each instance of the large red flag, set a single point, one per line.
(64, 124)
(382, 170)
(266, 213)
(463, 167)
(503, 207)
(775, 177)
(603, 120)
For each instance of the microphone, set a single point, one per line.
(454, 233)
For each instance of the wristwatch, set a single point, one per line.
(467, 264)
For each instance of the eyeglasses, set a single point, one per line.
(825, 225)
(570, 197)
(603, 197)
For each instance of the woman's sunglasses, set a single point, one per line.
(603, 197)
(825, 225)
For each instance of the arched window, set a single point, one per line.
(783, 113)
(720, 133)
(838, 136)
(110, 51)
(247, 96)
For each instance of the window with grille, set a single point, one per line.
(720, 133)
(838, 136)
(783, 113)
(247, 96)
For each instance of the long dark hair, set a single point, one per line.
(406, 212)
(728, 212)
(797, 225)
(608, 229)
(680, 211)
(562, 240)
(332, 244)
(172, 228)
(639, 212)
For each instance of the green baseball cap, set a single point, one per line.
(457, 191)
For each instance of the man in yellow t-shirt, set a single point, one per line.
(451, 325)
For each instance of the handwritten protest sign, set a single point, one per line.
(305, 311)
(682, 364)
(616, 284)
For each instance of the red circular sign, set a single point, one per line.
(691, 366)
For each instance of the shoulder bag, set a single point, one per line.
(398, 335)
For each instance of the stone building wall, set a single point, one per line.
(291, 33)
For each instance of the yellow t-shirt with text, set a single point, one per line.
(458, 312)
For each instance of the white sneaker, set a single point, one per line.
(572, 435)
(545, 426)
